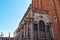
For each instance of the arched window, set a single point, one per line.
(41, 25)
(47, 28)
(35, 26)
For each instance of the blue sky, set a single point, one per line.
(11, 12)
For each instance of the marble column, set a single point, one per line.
(31, 29)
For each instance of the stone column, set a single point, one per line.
(27, 32)
(31, 29)
(23, 33)
(38, 31)
(20, 34)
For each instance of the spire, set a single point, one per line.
(9, 35)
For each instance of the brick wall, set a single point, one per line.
(54, 9)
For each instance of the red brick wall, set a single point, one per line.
(54, 11)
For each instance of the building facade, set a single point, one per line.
(40, 22)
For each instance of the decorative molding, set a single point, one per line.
(51, 2)
(55, 18)
(40, 11)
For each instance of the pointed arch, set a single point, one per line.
(41, 25)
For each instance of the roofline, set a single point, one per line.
(24, 15)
